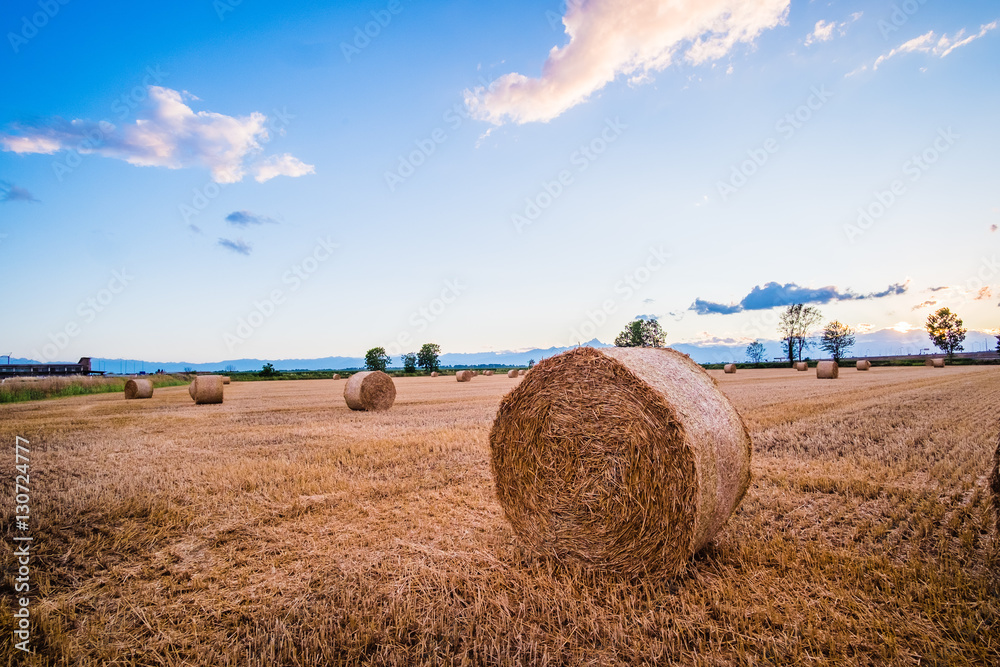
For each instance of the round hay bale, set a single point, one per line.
(827, 370)
(488, 373)
(225, 379)
(938, 363)
(801, 366)
(729, 368)
(512, 373)
(863, 365)
(435, 374)
(371, 391)
(206, 389)
(928, 362)
(138, 389)
(336, 376)
(623, 459)
(463, 376)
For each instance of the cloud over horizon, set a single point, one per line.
(167, 133)
(636, 38)
(11, 192)
(246, 218)
(773, 295)
(238, 246)
(936, 46)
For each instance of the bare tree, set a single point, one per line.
(794, 327)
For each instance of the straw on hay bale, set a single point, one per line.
(624, 459)
(225, 379)
(435, 374)
(371, 391)
(336, 376)
(512, 373)
(939, 363)
(206, 389)
(864, 365)
(729, 368)
(801, 366)
(463, 376)
(827, 370)
(138, 389)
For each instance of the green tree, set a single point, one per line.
(641, 333)
(837, 339)
(427, 357)
(794, 326)
(531, 363)
(945, 330)
(755, 352)
(268, 371)
(376, 359)
(409, 362)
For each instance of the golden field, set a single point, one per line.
(280, 528)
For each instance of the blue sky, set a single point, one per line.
(263, 182)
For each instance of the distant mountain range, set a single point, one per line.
(884, 342)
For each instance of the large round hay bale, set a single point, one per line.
(801, 366)
(370, 390)
(864, 365)
(938, 363)
(206, 389)
(138, 389)
(827, 370)
(336, 376)
(625, 459)
(463, 376)
(729, 368)
(488, 373)
(225, 379)
(512, 373)
(435, 374)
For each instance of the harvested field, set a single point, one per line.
(281, 528)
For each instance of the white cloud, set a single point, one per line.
(608, 38)
(934, 45)
(823, 32)
(281, 165)
(167, 133)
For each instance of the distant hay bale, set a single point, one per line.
(512, 373)
(928, 362)
(938, 363)
(864, 365)
(370, 391)
(435, 374)
(801, 366)
(463, 376)
(827, 370)
(138, 389)
(225, 379)
(336, 376)
(206, 389)
(729, 368)
(623, 459)
(488, 373)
